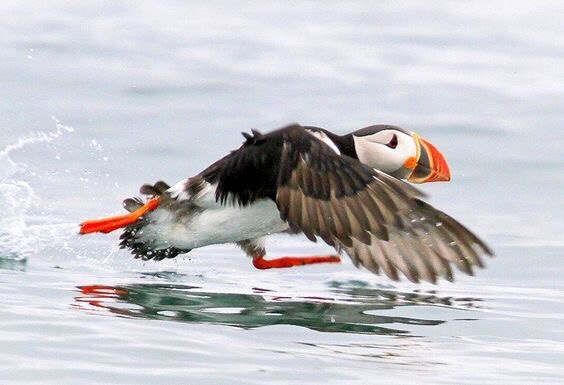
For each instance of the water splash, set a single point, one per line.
(10, 168)
(20, 232)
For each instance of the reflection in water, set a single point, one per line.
(354, 310)
(13, 263)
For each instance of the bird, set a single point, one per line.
(355, 192)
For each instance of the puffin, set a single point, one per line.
(355, 192)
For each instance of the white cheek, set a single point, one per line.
(383, 158)
(406, 148)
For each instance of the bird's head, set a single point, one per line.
(400, 153)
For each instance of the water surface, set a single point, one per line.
(99, 98)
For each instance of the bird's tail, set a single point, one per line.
(134, 222)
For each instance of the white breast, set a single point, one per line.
(212, 223)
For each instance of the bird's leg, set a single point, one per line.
(260, 263)
(255, 249)
(106, 225)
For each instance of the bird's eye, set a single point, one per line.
(393, 143)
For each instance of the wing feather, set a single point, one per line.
(378, 220)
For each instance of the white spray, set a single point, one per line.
(21, 234)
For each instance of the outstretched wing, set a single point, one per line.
(422, 248)
(378, 220)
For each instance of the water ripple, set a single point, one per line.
(354, 310)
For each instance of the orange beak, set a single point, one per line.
(429, 165)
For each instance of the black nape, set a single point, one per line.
(344, 143)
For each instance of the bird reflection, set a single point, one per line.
(354, 309)
(13, 263)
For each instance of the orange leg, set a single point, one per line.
(110, 224)
(282, 262)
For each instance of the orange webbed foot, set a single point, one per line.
(283, 262)
(106, 225)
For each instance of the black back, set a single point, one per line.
(250, 172)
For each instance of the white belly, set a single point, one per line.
(213, 225)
